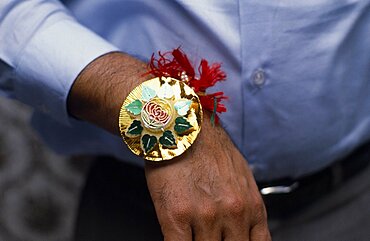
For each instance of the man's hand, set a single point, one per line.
(208, 193)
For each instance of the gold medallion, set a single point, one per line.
(160, 119)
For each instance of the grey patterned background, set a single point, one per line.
(39, 190)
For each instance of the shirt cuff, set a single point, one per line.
(51, 61)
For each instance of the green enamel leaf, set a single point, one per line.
(147, 93)
(134, 107)
(148, 142)
(135, 128)
(182, 125)
(167, 139)
(182, 107)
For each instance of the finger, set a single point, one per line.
(236, 233)
(177, 234)
(207, 233)
(259, 226)
(260, 232)
(205, 224)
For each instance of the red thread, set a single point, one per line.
(175, 63)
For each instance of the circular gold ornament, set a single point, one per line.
(160, 119)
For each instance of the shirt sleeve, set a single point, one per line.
(47, 49)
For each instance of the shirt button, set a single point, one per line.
(259, 77)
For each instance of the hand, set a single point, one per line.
(208, 193)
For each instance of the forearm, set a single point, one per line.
(98, 92)
(208, 192)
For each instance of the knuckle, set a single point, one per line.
(259, 207)
(260, 212)
(208, 213)
(235, 205)
(181, 212)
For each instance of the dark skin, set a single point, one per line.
(208, 193)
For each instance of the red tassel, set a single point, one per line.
(209, 76)
(163, 66)
(212, 103)
(184, 62)
(173, 64)
(208, 102)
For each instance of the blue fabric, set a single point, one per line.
(298, 73)
(47, 49)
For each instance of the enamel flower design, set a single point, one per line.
(158, 118)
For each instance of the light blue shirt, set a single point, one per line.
(298, 71)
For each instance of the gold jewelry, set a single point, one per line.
(160, 119)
